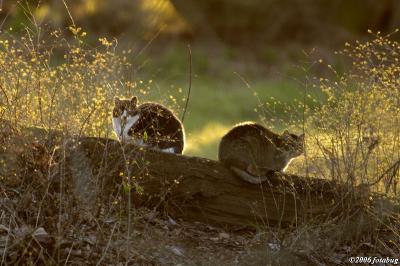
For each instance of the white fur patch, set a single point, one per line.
(121, 128)
(130, 121)
(116, 121)
(168, 150)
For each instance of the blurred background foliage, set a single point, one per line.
(232, 22)
(250, 58)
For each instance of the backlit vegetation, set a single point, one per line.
(354, 136)
(60, 83)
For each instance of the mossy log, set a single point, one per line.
(190, 188)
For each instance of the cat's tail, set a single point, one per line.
(246, 176)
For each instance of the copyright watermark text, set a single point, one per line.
(373, 260)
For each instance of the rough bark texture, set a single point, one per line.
(191, 188)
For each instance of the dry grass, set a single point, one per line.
(355, 136)
(73, 94)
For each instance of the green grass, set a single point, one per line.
(220, 105)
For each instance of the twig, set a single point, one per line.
(149, 42)
(69, 253)
(69, 13)
(6, 244)
(393, 167)
(8, 13)
(190, 83)
(40, 104)
(5, 94)
(108, 245)
(86, 120)
(260, 104)
(51, 159)
(304, 126)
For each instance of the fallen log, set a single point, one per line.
(196, 188)
(191, 188)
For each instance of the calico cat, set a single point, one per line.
(149, 125)
(251, 151)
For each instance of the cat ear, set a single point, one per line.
(134, 100)
(286, 134)
(116, 100)
(301, 138)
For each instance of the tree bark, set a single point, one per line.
(197, 189)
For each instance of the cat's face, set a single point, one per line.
(125, 115)
(293, 144)
(124, 108)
